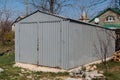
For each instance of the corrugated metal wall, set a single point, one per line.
(53, 44)
(42, 43)
(50, 44)
(27, 43)
(17, 42)
(86, 42)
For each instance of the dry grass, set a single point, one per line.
(113, 70)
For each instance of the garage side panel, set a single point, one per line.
(65, 45)
(88, 44)
(76, 45)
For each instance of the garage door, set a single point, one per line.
(49, 44)
(28, 43)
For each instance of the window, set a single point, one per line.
(110, 18)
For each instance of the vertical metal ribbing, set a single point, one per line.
(68, 44)
(19, 41)
(37, 43)
(61, 24)
(64, 44)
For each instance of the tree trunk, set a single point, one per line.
(51, 6)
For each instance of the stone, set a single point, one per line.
(29, 77)
(91, 68)
(99, 76)
(1, 70)
(101, 72)
(95, 67)
(88, 78)
(76, 73)
(71, 74)
(94, 75)
(88, 68)
(88, 74)
(22, 70)
(74, 79)
(21, 74)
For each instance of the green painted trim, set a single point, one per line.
(111, 25)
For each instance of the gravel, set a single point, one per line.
(38, 68)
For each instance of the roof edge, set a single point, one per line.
(91, 24)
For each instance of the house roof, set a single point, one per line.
(77, 21)
(116, 10)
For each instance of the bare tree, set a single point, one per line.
(68, 8)
(26, 7)
(53, 6)
(5, 21)
(92, 7)
(115, 4)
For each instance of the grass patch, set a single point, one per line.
(7, 59)
(51, 74)
(6, 62)
(14, 73)
(112, 75)
(113, 70)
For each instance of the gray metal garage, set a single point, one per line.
(49, 40)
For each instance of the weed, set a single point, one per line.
(51, 74)
(113, 72)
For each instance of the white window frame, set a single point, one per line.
(110, 19)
